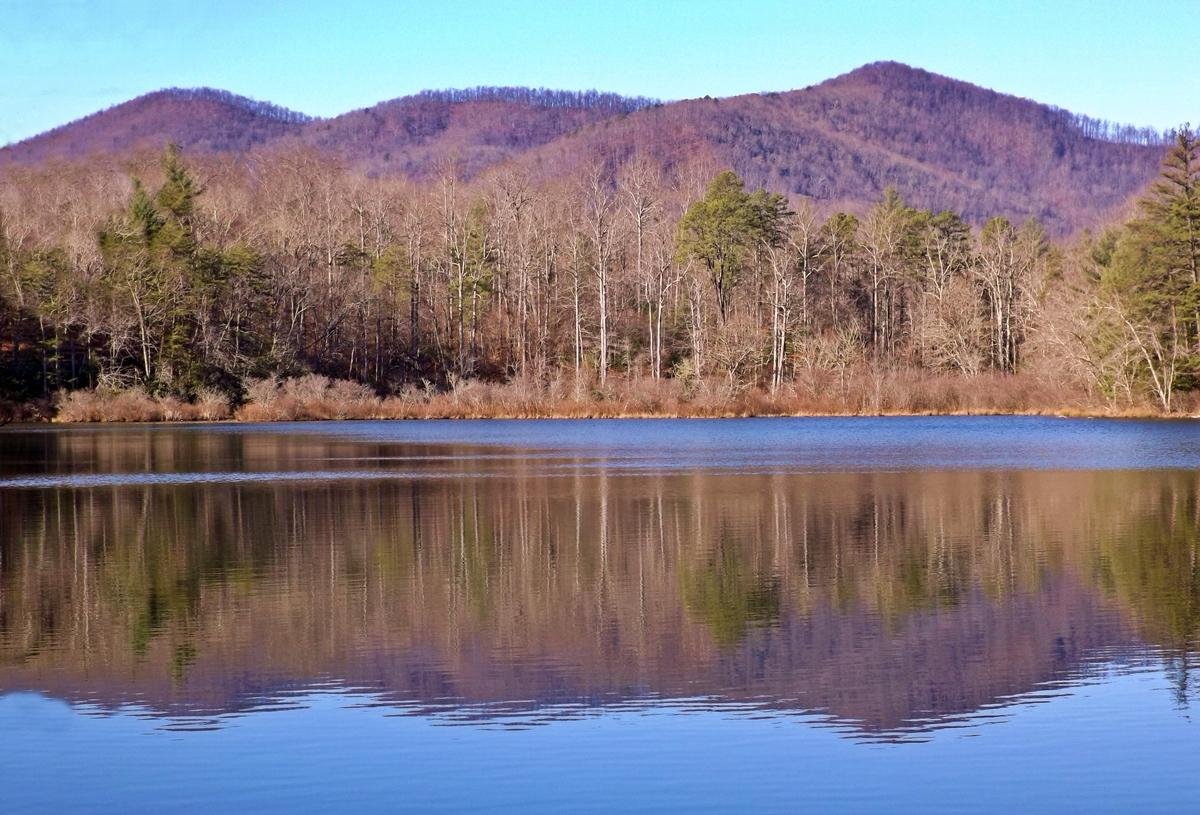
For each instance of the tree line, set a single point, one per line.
(541, 97)
(207, 274)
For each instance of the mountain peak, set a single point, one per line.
(898, 75)
(887, 68)
(204, 119)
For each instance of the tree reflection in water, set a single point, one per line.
(893, 602)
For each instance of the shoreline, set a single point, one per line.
(1072, 413)
(317, 398)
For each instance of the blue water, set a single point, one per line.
(339, 756)
(819, 443)
(864, 615)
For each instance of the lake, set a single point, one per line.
(909, 614)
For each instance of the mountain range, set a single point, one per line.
(943, 143)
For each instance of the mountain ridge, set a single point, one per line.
(942, 142)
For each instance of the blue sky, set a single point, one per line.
(1127, 61)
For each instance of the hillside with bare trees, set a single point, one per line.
(197, 119)
(475, 129)
(942, 143)
(656, 259)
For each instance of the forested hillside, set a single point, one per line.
(607, 271)
(198, 119)
(942, 143)
(211, 281)
(475, 129)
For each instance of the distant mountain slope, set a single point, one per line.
(198, 119)
(477, 128)
(941, 142)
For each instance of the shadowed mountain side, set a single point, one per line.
(890, 601)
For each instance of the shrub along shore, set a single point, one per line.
(315, 397)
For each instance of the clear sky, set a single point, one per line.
(1132, 61)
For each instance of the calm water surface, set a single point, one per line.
(769, 615)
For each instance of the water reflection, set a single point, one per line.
(476, 590)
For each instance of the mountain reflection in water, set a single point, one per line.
(474, 587)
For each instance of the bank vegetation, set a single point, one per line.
(288, 287)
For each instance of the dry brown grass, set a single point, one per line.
(135, 405)
(864, 392)
(308, 397)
